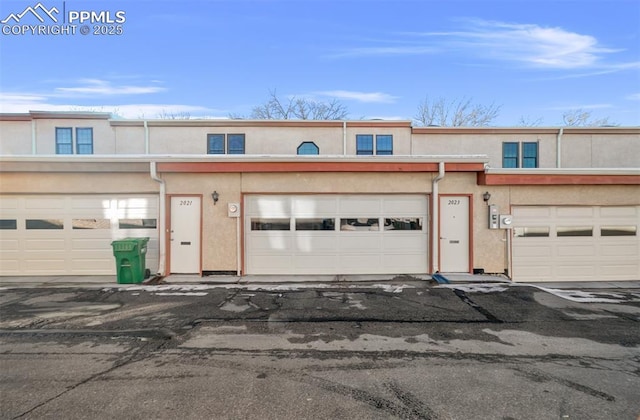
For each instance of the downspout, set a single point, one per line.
(344, 138)
(161, 216)
(435, 232)
(34, 144)
(559, 148)
(146, 138)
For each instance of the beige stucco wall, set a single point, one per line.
(401, 138)
(129, 140)
(15, 138)
(484, 144)
(601, 151)
(72, 183)
(103, 134)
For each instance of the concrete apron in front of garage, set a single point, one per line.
(308, 280)
(110, 281)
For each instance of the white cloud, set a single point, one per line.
(368, 97)
(578, 106)
(102, 87)
(633, 97)
(530, 45)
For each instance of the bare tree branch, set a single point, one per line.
(455, 113)
(276, 108)
(581, 118)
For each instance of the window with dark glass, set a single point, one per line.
(64, 141)
(235, 144)
(529, 155)
(364, 144)
(8, 224)
(215, 144)
(219, 144)
(510, 155)
(384, 144)
(308, 148)
(84, 141)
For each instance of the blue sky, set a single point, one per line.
(535, 59)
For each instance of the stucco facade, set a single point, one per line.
(168, 160)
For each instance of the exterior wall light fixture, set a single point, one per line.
(486, 196)
(215, 197)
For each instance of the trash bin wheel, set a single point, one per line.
(147, 273)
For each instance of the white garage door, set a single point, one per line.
(576, 243)
(72, 234)
(336, 234)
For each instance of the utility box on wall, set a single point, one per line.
(506, 221)
(233, 210)
(494, 221)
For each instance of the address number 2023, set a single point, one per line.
(186, 202)
(453, 203)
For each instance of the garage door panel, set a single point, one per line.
(616, 212)
(269, 242)
(51, 245)
(313, 206)
(40, 203)
(573, 250)
(315, 244)
(335, 251)
(620, 250)
(72, 234)
(358, 242)
(589, 258)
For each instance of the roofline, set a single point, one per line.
(522, 130)
(247, 158)
(564, 171)
(55, 115)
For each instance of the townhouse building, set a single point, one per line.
(318, 197)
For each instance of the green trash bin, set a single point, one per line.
(130, 256)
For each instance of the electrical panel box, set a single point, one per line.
(506, 221)
(233, 210)
(494, 221)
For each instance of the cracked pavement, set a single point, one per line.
(410, 350)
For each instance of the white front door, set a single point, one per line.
(185, 235)
(454, 234)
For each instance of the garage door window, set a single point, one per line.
(360, 224)
(90, 224)
(531, 232)
(403, 223)
(315, 224)
(618, 231)
(261, 223)
(564, 231)
(44, 224)
(137, 223)
(8, 224)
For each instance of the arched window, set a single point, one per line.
(308, 148)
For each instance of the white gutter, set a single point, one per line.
(34, 144)
(559, 148)
(344, 138)
(435, 232)
(146, 138)
(161, 216)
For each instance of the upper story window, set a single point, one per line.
(384, 144)
(84, 141)
(308, 148)
(365, 144)
(511, 155)
(64, 141)
(219, 144)
(530, 155)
